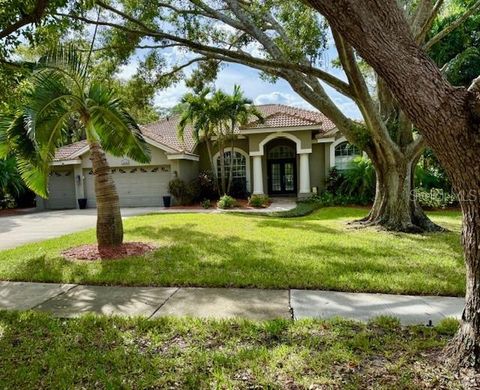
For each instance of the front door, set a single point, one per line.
(282, 178)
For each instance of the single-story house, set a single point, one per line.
(289, 153)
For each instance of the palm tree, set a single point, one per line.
(62, 89)
(198, 113)
(217, 116)
(239, 110)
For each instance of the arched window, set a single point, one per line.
(239, 165)
(344, 155)
(281, 152)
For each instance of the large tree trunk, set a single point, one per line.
(448, 117)
(464, 351)
(109, 219)
(395, 207)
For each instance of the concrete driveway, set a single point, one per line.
(16, 230)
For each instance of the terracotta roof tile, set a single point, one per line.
(165, 130)
(66, 152)
(279, 115)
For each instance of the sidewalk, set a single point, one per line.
(71, 300)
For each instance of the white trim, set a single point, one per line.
(332, 150)
(325, 140)
(183, 156)
(65, 162)
(273, 136)
(247, 163)
(261, 130)
(159, 145)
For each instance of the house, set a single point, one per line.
(289, 153)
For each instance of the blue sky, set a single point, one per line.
(260, 91)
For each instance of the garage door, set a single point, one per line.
(136, 186)
(61, 184)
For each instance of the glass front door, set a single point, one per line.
(282, 176)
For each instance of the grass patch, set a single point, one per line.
(319, 251)
(39, 351)
(301, 209)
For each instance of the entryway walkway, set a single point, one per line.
(71, 300)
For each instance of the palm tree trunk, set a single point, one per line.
(212, 164)
(222, 167)
(109, 218)
(230, 173)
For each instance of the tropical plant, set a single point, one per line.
(359, 179)
(217, 117)
(61, 88)
(10, 179)
(196, 111)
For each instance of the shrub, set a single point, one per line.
(180, 191)
(226, 202)
(203, 187)
(7, 201)
(206, 203)
(259, 201)
(435, 198)
(359, 180)
(334, 181)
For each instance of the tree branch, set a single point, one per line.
(457, 23)
(334, 82)
(427, 24)
(33, 17)
(362, 96)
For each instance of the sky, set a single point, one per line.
(258, 90)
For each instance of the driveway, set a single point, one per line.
(17, 230)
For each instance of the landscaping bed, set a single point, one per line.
(319, 251)
(39, 351)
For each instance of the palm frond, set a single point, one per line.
(115, 128)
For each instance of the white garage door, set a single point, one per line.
(61, 185)
(136, 186)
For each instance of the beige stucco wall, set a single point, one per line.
(187, 170)
(158, 157)
(317, 166)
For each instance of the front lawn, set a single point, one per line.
(39, 351)
(319, 251)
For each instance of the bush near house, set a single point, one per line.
(226, 202)
(259, 201)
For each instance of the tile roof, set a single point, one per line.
(66, 152)
(164, 131)
(279, 115)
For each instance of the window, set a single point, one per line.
(344, 155)
(239, 165)
(280, 152)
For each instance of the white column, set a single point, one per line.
(257, 175)
(304, 174)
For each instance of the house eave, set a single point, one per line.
(262, 130)
(183, 156)
(60, 163)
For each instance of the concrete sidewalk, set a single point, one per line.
(71, 300)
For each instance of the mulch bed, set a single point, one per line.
(94, 252)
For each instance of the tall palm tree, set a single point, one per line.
(217, 116)
(239, 111)
(198, 113)
(61, 89)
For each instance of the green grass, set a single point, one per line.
(319, 251)
(39, 351)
